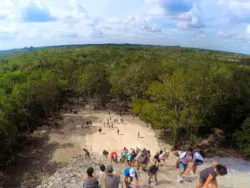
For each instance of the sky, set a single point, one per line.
(211, 24)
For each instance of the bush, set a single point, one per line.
(242, 138)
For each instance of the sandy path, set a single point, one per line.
(74, 138)
(111, 141)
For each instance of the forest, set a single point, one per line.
(188, 91)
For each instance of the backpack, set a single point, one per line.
(186, 155)
(202, 154)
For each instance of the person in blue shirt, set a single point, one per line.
(129, 175)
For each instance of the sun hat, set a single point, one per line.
(109, 168)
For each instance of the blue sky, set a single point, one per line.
(213, 24)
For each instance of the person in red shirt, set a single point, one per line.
(113, 157)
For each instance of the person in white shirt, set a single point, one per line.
(101, 174)
(164, 156)
(182, 163)
(197, 161)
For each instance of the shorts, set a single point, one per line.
(151, 174)
(198, 162)
(183, 166)
(201, 181)
(157, 159)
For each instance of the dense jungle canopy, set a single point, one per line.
(189, 91)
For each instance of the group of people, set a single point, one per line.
(110, 123)
(207, 176)
(187, 162)
(109, 179)
(105, 179)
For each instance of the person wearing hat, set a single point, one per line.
(110, 180)
(129, 175)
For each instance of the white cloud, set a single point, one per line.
(186, 13)
(237, 11)
(114, 20)
(190, 20)
(248, 29)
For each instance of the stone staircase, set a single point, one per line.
(71, 175)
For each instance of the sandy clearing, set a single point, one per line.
(111, 141)
(70, 135)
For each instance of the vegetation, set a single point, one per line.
(189, 91)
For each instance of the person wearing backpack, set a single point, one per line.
(152, 171)
(157, 158)
(182, 163)
(142, 160)
(198, 159)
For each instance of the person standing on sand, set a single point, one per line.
(208, 175)
(110, 180)
(118, 131)
(182, 163)
(138, 134)
(90, 181)
(100, 130)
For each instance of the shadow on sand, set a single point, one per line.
(33, 163)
